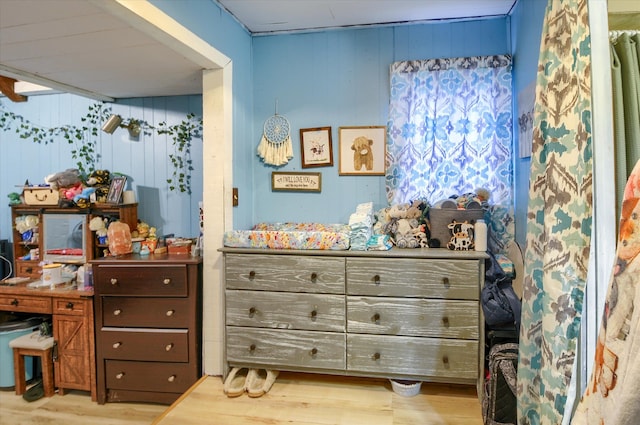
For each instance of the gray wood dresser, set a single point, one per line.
(405, 313)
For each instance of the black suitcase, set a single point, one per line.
(499, 406)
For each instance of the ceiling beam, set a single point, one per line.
(7, 88)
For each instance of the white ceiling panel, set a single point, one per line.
(87, 47)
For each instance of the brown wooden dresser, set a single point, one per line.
(148, 327)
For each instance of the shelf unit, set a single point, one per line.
(127, 213)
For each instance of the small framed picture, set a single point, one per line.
(116, 189)
(316, 148)
(362, 150)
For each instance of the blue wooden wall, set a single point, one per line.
(327, 78)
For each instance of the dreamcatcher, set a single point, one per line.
(275, 147)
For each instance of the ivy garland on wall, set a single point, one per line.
(84, 139)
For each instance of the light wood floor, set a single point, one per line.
(294, 399)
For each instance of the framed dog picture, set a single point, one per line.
(362, 150)
(315, 145)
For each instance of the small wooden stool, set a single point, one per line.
(36, 346)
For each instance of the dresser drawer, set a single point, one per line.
(19, 303)
(288, 273)
(285, 310)
(158, 345)
(146, 312)
(404, 277)
(149, 376)
(413, 317)
(315, 350)
(447, 359)
(28, 268)
(157, 281)
(70, 306)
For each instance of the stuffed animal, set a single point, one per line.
(64, 179)
(83, 199)
(141, 231)
(99, 225)
(362, 154)
(71, 192)
(100, 180)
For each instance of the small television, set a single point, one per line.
(64, 239)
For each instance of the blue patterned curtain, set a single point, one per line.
(450, 129)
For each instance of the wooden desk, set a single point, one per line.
(72, 315)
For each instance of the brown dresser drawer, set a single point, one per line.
(404, 277)
(287, 273)
(285, 310)
(447, 359)
(304, 349)
(27, 268)
(413, 317)
(144, 281)
(149, 376)
(163, 345)
(72, 306)
(18, 303)
(146, 312)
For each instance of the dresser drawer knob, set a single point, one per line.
(252, 275)
(252, 311)
(15, 302)
(169, 313)
(114, 281)
(445, 321)
(376, 356)
(375, 318)
(313, 352)
(171, 378)
(445, 360)
(168, 347)
(376, 279)
(445, 282)
(166, 281)
(252, 348)
(314, 276)
(117, 312)
(120, 375)
(70, 305)
(117, 345)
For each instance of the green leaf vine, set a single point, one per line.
(84, 139)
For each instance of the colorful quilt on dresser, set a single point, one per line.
(612, 396)
(291, 236)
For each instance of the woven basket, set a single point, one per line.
(440, 218)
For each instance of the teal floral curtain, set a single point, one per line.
(559, 215)
(450, 129)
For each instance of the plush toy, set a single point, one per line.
(362, 154)
(83, 199)
(141, 231)
(71, 192)
(14, 198)
(64, 179)
(100, 180)
(99, 225)
(473, 200)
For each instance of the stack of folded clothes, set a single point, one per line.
(361, 224)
